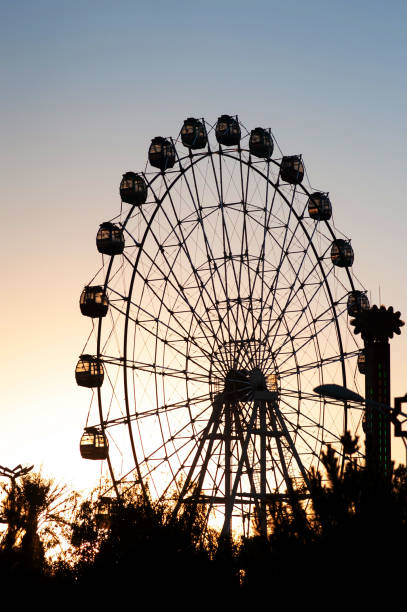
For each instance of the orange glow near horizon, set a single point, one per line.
(74, 121)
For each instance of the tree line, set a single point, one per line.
(352, 530)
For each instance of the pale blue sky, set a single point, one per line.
(86, 85)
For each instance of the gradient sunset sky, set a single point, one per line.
(86, 85)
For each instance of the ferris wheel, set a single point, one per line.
(222, 301)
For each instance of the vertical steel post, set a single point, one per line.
(263, 477)
(377, 424)
(227, 528)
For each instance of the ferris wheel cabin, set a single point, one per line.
(105, 509)
(110, 239)
(89, 372)
(93, 302)
(357, 301)
(261, 143)
(93, 445)
(161, 153)
(362, 365)
(319, 206)
(342, 254)
(133, 188)
(193, 134)
(292, 169)
(227, 131)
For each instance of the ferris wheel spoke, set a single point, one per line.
(314, 424)
(311, 449)
(243, 254)
(267, 289)
(288, 392)
(198, 208)
(328, 289)
(201, 285)
(293, 292)
(205, 326)
(320, 442)
(176, 286)
(160, 370)
(227, 249)
(274, 325)
(303, 312)
(180, 289)
(113, 331)
(263, 286)
(241, 306)
(113, 392)
(306, 342)
(180, 333)
(316, 364)
(245, 250)
(160, 462)
(214, 268)
(227, 257)
(259, 323)
(166, 408)
(283, 252)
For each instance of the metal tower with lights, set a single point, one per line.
(377, 326)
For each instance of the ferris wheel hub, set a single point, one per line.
(241, 385)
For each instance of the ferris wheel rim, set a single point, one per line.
(194, 159)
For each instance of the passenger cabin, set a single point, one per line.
(342, 253)
(161, 153)
(227, 131)
(105, 509)
(362, 365)
(89, 372)
(110, 239)
(292, 169)
(272, 383)
(93, 444)
(261, 143)
(319, 206)
(93, 302)
(133, 188)
(193, 134)
(357, 301)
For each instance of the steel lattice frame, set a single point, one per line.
(223, 270)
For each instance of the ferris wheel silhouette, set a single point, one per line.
(222, 301)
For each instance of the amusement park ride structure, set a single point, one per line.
(224, 298)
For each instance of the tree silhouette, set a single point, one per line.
(145, 544)
(351, 525)
(348, 523)
(35, 510)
